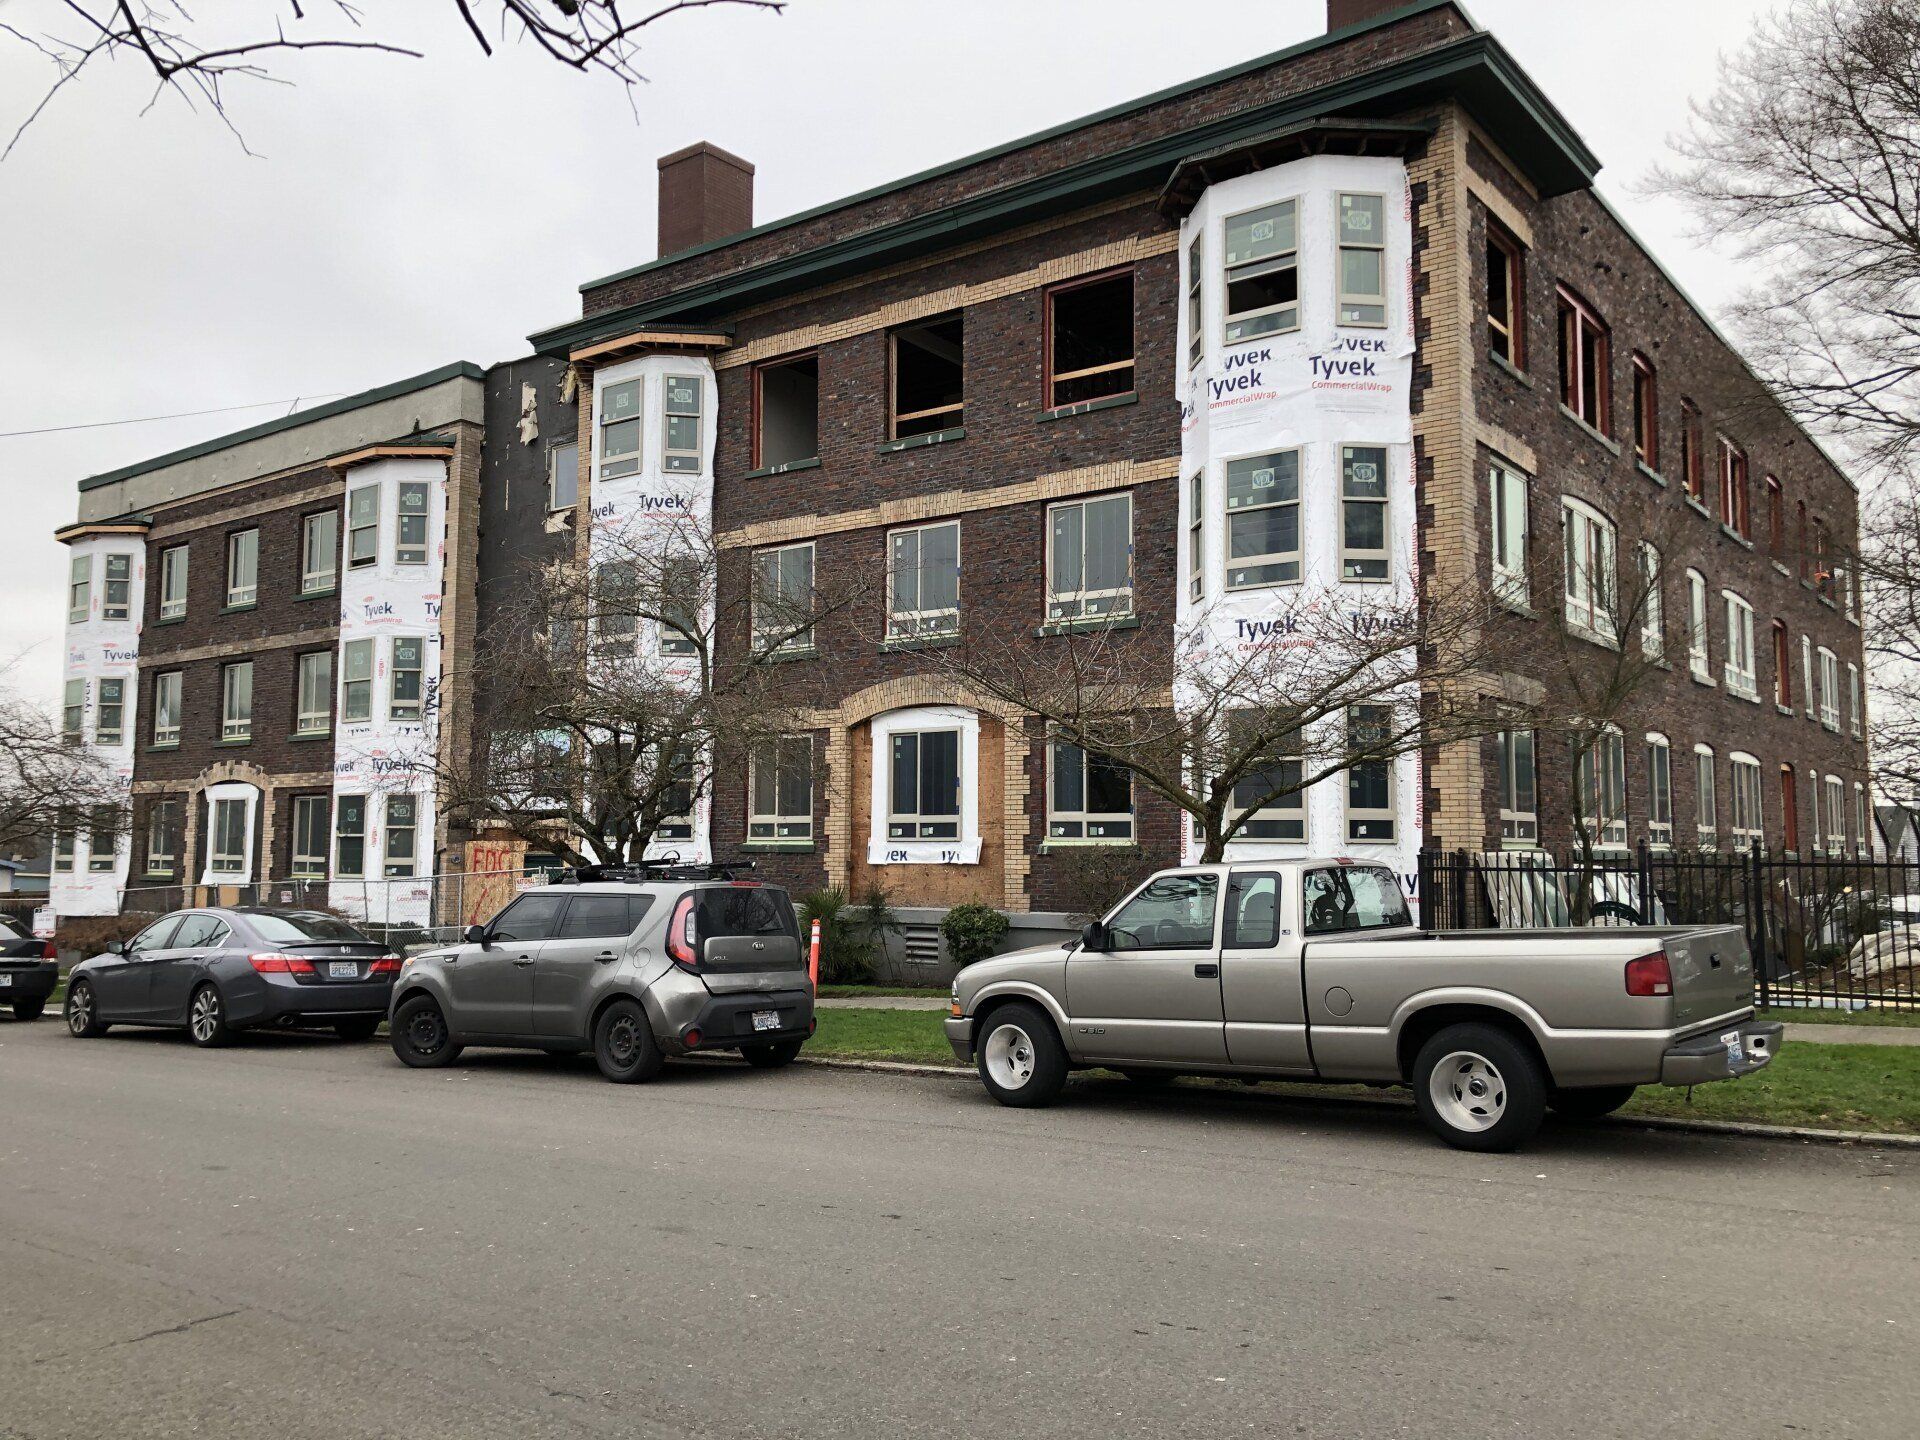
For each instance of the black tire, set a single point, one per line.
(1493, 1092)
(83, 1014)
(28, 1009)
(1020, 1058)
(420, 1036)
(772, 1057)
(1590, 1102)
(207, 1017)
(623, 1044)
(1149, 1079)
(358, 1029)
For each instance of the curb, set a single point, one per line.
(1748, 1129)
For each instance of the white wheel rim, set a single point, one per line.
(1010, 1057)
(1468, 1091)
(206, 1014)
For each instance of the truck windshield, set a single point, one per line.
(1353, 897)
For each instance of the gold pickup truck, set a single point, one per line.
(1314, 970)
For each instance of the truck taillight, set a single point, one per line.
(276, 964)
(1649, 975)
(682, 943)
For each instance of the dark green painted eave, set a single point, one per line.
(459, 370)
(1125, 107)
(1476, 69)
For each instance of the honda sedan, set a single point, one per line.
(215, 972)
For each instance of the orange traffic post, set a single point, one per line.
(813, 957)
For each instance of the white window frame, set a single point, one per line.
(352, 684)
(1085, 824)
(1853, 700)
(412, 552)
(921, 821)
(226, 861)
(344, 805)
(114, 734)
(1287, 314)
(161, 857)
(1358, 815)
(1739, 669)
(101, 841)
(682, 459)
(319, 564)
(1196, 259)
(1509, 530)
(236, 708)
(1808, 692)
(1367, 299)
(1519, 824)
(764, 824)
(304, 864)
(243, 568)
(1197, 535)
(1836, 814)
(122, 607)
(1591, 580)
(1862, 833)
(1699, 659)
(554, 471)
(363, 525)
(919, 622)
(313, 694)
(1748, 827)
(64, 841)
(79, 589)
(1659, 791)
(1375, 558)
(1829, 690)
(802, 641)
(1653, 608)
(1706, 798)
(173, 578)
(73, 710)
(396, 866)
(410, 710)
(1600, 774)
(627, 462)
(1273, 464)
(169, 690)
(1084, 601)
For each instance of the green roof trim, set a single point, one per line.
(458, 370)
(1052, 132)
(1476, 69)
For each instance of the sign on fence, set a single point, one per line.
(43, 923)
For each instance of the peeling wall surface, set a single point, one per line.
(1316, 389)
(99, 649)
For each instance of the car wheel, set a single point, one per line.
(1590, 1102)
(1020, 1057)
(1149, 1079)
(771, 1057)
(1478, 1088)
(357, 1029)
(207, 1019)
(623, 1044)
(83, 1014)
(419, 1034)
(28, 1009)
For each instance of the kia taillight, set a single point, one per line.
(1649, 975)
(385, 965)
(276, 964)
(681, 941)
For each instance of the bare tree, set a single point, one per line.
(194, 58)
(1326, 684)
(1890, 587)
(608, 698)
(49, 782)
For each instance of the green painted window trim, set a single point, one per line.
(784, 847)
(922, 642)
(162, 748)
(234, 743)
(1086, 624)
(170, 620)
(914, 442)
(327, 594)
(1652, 474)
(239, 609)
(299, 738)
(786, 469)
(1500, 362)
(1087, 407)
(1053, 844)
(1593, 434)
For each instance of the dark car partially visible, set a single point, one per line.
(28, 970)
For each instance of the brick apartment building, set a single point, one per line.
(1343, 317)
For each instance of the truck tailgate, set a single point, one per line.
(1712, 973)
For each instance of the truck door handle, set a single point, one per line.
(1206, 972)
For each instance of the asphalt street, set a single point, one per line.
(298, 1237)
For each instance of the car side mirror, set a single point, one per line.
(477, 935)
(1093, 937)
(123, 947)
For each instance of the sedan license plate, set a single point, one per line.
(766, 1019)
(5, 981)
(343, 970)
(1736, 1054)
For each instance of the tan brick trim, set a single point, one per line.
(1016, 862)
(1501, 209)
(323, 635)
(953, 297)
(1110, 475)
(1506, 444)
(326, 490)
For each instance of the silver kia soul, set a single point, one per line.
(635, 964)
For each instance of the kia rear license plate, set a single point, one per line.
(766, 1019)
(343, 970)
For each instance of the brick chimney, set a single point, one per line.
(705, 194)
(1341, 13)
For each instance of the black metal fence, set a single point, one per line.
(1836, 932)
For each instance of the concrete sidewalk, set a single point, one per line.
(880, 1002)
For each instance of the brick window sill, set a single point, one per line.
(1786, 710)
(915, 442)
(1613, 446)
(1699, 679)
(1781, 568)
(1695, 506)
(787, 469)
(1652, 474)
(1735, 536)
(1087, 407)
(1513, 371)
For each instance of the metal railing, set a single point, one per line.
(1830, 931)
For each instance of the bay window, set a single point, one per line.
(1362, 239)
(682, 452)
(117, 600)
(1263, 272)
(410, 510)
(619, 406)
(1263, 520)
(403, 819)
(1370, 780)
(1364, 531)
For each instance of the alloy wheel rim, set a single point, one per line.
(1468, 1091)
(206, 1014)
(80, 1008)
(1010, 1057)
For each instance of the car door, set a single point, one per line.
(591, 936)
(491, 984)
(121, 982)
(1260, 977)
(175, 970)
(1153, 994)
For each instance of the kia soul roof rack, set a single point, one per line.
(671, 868)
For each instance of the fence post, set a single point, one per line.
(1757, 913)
(1459, 889)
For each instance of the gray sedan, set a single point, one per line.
(214, 972)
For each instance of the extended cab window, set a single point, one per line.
(1253, 911)
(1353, 897)
(1174, 912)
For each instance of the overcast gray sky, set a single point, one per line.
(402, 213)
